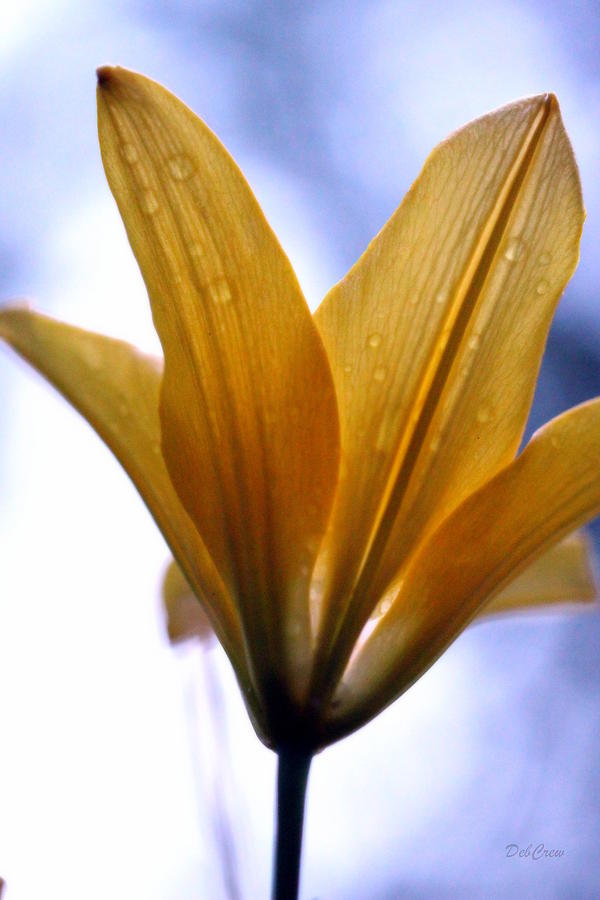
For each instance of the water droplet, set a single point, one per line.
(219, 291)
(123, 408)
(434, 444)
(473, 342)
(181, 167)
(379, 373)
(542, 287)
(129, 153)
(382, 607)
(544, 259)
(413, 299)
(514, 249)
(316, 591)
(441, 297)
(555, 442)
(347, 369)
(374, 339)
(156, 448)
(149, 203)
(382, 439)
(196, 250)
(483, 415)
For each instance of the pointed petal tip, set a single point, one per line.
(117, 83)
(111, 77)
(104, 74)
(18, 303)
(547, 103)
(550, 104)
(547, 99)
(8, 311)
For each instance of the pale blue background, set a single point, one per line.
(330, 109)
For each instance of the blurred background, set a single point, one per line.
(107, 758)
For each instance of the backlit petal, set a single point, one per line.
(564, 574)
(116, 388)
(435, 338)
(186, 618)
(550, 489)
(248, 410)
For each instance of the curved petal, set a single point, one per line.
(185, 616)
(116, 388)
(435, 339)
(563, 574)
(248, 409)
(550, 489)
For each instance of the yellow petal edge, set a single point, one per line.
(563, 575)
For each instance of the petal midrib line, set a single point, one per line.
(335, 654)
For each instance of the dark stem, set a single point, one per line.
(292, 778)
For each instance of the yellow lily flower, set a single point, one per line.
(340, 491)
(311, 472)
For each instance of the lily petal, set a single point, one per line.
(562, 575)
(550, 489)
(248, 408)
(116, 388)
(435, 338)
(186, 618)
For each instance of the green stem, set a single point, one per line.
(292, 778)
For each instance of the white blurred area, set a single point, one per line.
(99, 796)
